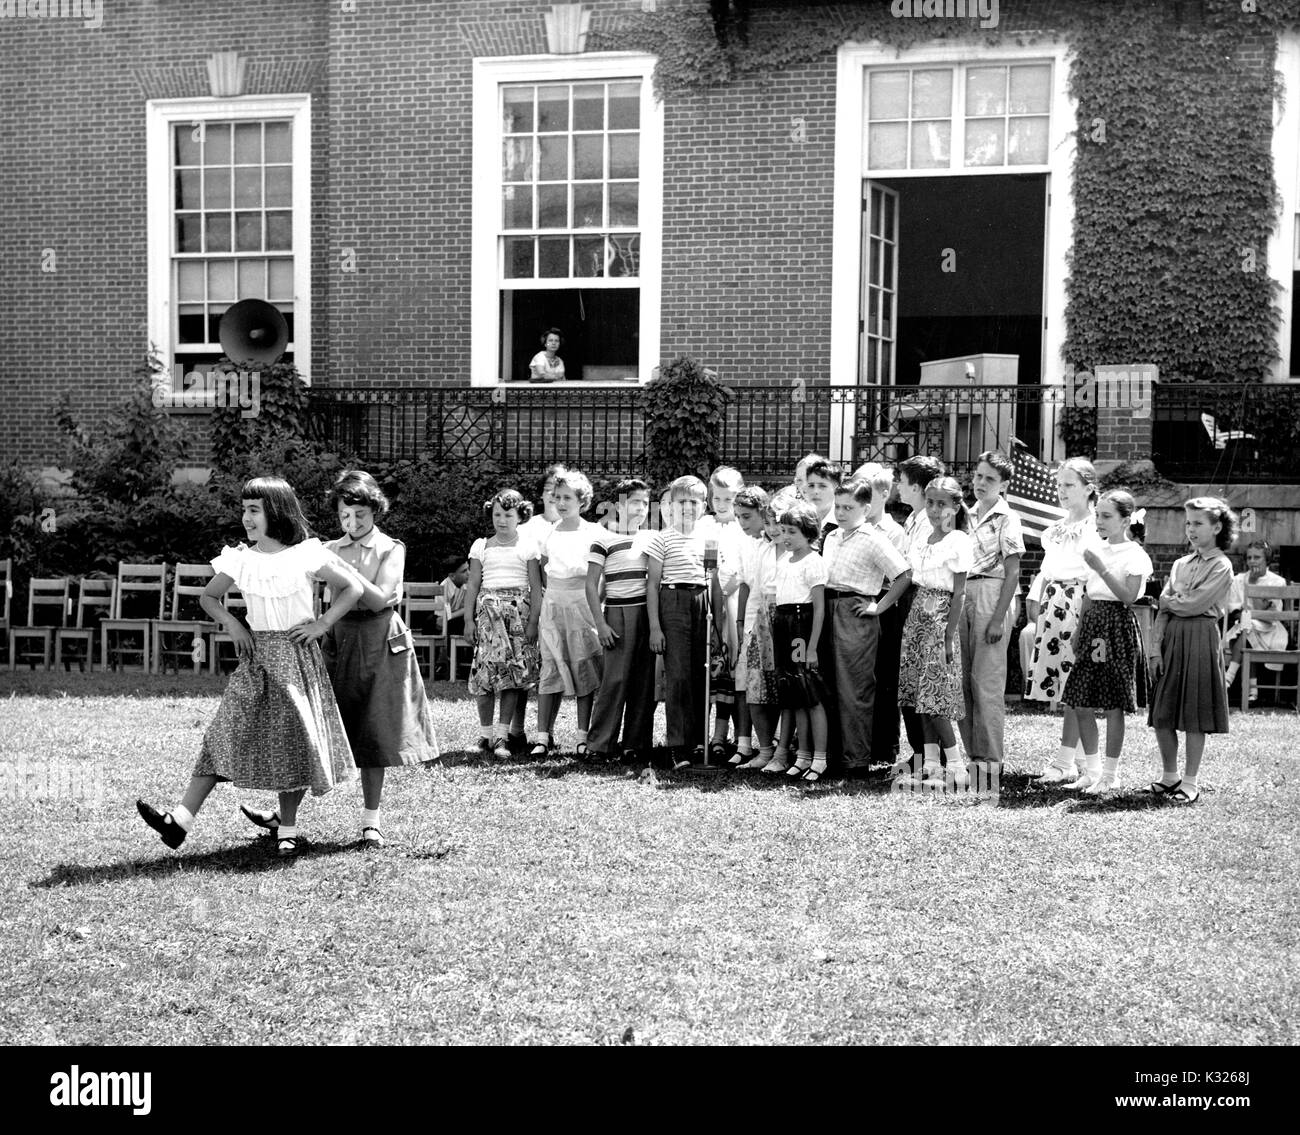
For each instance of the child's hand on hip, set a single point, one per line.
(310, 631)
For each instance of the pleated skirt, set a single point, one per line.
(1190, 695)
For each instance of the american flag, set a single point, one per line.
(1032, 492)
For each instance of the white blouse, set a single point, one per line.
(758, 567)
(1063, 546)
(277, 586)
(566, 552)
(1121, 560)
(935, 565)
(504, 565)
(795, 581)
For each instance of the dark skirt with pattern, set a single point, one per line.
(502, 659)
(380, 691)
(1109, 669)
(1189, 695)
(797, 687)
(761, 685)
(1054, 641)
(926, 680)
(278, 726)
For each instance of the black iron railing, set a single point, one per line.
(768, 428)
(1227, 433)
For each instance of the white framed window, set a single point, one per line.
(229, 199)
(567, 216)
(990, 115)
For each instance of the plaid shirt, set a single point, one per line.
(860, 560)
(996, 535)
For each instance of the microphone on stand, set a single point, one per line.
(710, 555)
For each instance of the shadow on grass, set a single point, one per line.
(250, 858)
(75, 683)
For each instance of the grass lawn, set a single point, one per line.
(551, 902)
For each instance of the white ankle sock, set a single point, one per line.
(1189, 782)
(370, 817)
(743, 746)
(485, 732)
(540, 738)
(1231, 673)
(1065, 758)
(287, 833)
(953, 757)
(183, 816)
(1110, 767)
(802, 758)
(1093, 764)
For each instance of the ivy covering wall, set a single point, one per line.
(1174, 189)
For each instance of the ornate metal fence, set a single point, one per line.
(1227, 432)
(767, 430)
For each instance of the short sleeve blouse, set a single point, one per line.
(1121, 560)
(566, 552)
(504, 565)
(277, 586)
(1063, 546)
(935, 565)
(795, 581)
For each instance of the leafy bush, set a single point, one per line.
(685, 409)
(281, 417)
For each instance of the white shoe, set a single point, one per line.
(1054, 774)
(759, 761)
(776, 764)
(1083, 780)
(1103, 785)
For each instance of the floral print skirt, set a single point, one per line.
(1053, 657)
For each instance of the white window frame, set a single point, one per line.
(1284, 243)
(160, 116)
(489, 75)
(854, 59)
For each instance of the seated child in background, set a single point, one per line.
(453, 593)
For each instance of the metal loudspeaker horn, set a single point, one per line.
(252, 331)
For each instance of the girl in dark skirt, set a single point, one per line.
(796, 628)
(369, 656)
(1108, 674)
(929, 678)
(1189, 695)
(278, 725)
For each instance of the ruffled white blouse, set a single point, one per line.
(277, 586)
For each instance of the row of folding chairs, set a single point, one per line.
(130, 619)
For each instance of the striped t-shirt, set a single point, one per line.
(682, 556)
(622, 558)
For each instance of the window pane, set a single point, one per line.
(1030, 89)
(874, 210)
(517, 110)
(625, 254)
(248, 143)
(887, 266)
(518, 207)
(932, 94)
(279, 231)
(588, 206)
(623, 198)
(589, 156)
(553, 256)
(221, 281)
(624, 106)
(186, 147)
(553, 158)
(190, 325)
(248, 187)
(887, 94)
(218, 231)
(252, 279)
(887, 315)
(589, 256)
(216, 143)
(624, 152)
(189, 281)
(552, 109)
(589, 107)
(931, 144)
(248, 232)
(517, 159)
(889, 216)
(986, 89)
(280, 274)
(553, 207)
(217, 186)
(278, 142)
(1028, 142)
(887, 145)
(518, 258)
(279, 185)
(984, 141)
(187, 189)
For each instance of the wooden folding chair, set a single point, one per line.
(1289, 616)
(95, 599)
(140, 587)
(420, 599)
(45, 596)
(6, 597)
(184, 634)
(455, 644)
(232, 601)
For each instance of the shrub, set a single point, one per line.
(685, 409)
